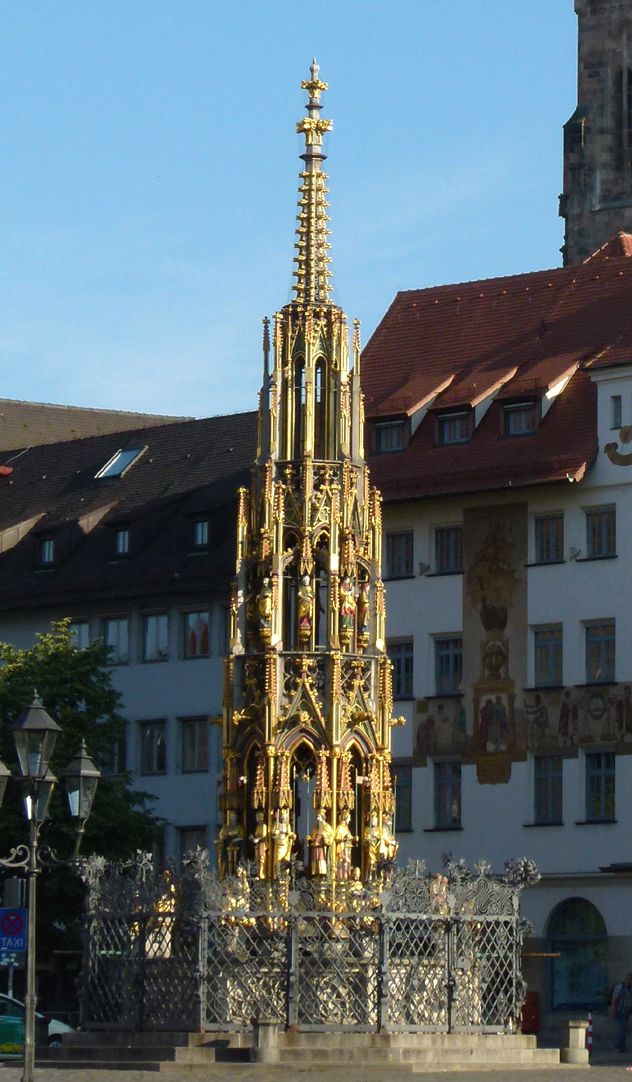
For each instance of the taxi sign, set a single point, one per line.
(12, 931)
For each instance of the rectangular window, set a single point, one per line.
(155, 637)
(80, 633)
(601, 532)
(600, 778)
(448, 665)
(600, 652)
(194, 744)
(403, 796)
(112, 759)
(399, 555)
(520, 419)
(46, 551)
(119, 463)
(196, 634)
(121, 542)
(200, 533)
(449, 548)
(153, 747)
(389, 436)
(453, 428)
(615, 411)
(549, 539)
(548, 647)
(116, 637)
(447, 793)
(401, 655)
(547, 802)
(191, 838)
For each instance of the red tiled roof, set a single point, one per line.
(512, 337)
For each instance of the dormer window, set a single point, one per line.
(520, 419)
(453, 427)
(119, 463)
(200, 533)
(46, 551)
(389, 436)
(121, 541)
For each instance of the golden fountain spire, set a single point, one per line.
(307, 695)
(312, 274)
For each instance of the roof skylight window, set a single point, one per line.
(120, 461)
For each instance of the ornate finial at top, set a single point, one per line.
(312, 275)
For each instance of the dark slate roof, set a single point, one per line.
(188, 469)
(455, 346)
(32, 423)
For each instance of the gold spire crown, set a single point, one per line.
(312, 262)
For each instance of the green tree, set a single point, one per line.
(76, 689)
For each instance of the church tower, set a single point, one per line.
(308, 700)
(597, 198)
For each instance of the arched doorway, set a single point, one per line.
(579, 976)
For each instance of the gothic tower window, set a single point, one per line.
(320, 409)
(299, 406)
(290, 605)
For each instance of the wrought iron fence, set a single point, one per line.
(413, 951)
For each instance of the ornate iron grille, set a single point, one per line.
(413, 951)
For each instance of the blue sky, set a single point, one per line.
(149, 177)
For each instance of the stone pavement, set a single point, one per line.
(613, 1070)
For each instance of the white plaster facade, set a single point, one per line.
(168, 691)
(497, 820)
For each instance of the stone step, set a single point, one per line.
(429, 1056)
(131, 1038)
(111, 1054)
(96, 1065)
(208, 1054)
(335, 1038)
(200, 1055)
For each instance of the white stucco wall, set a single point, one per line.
(495, 817)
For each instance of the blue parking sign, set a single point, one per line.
(12, 931)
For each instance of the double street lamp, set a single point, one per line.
(35, 734)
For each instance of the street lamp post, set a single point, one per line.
(35, 734)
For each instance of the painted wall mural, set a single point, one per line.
(494, 630)
(555, 721)
(495, 721)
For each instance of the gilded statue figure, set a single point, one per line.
(264, 606)
(344, 847)
(389, 844)
(229, 845)
(347, 605)
(239, 897)
(372, 841)
(305, 609)
(283, 838)
(355, 891)
(260, 844)
(320, 841)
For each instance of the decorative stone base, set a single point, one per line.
(410, 1051)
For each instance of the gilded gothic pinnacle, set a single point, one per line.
(307, 694)
(312, 261)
